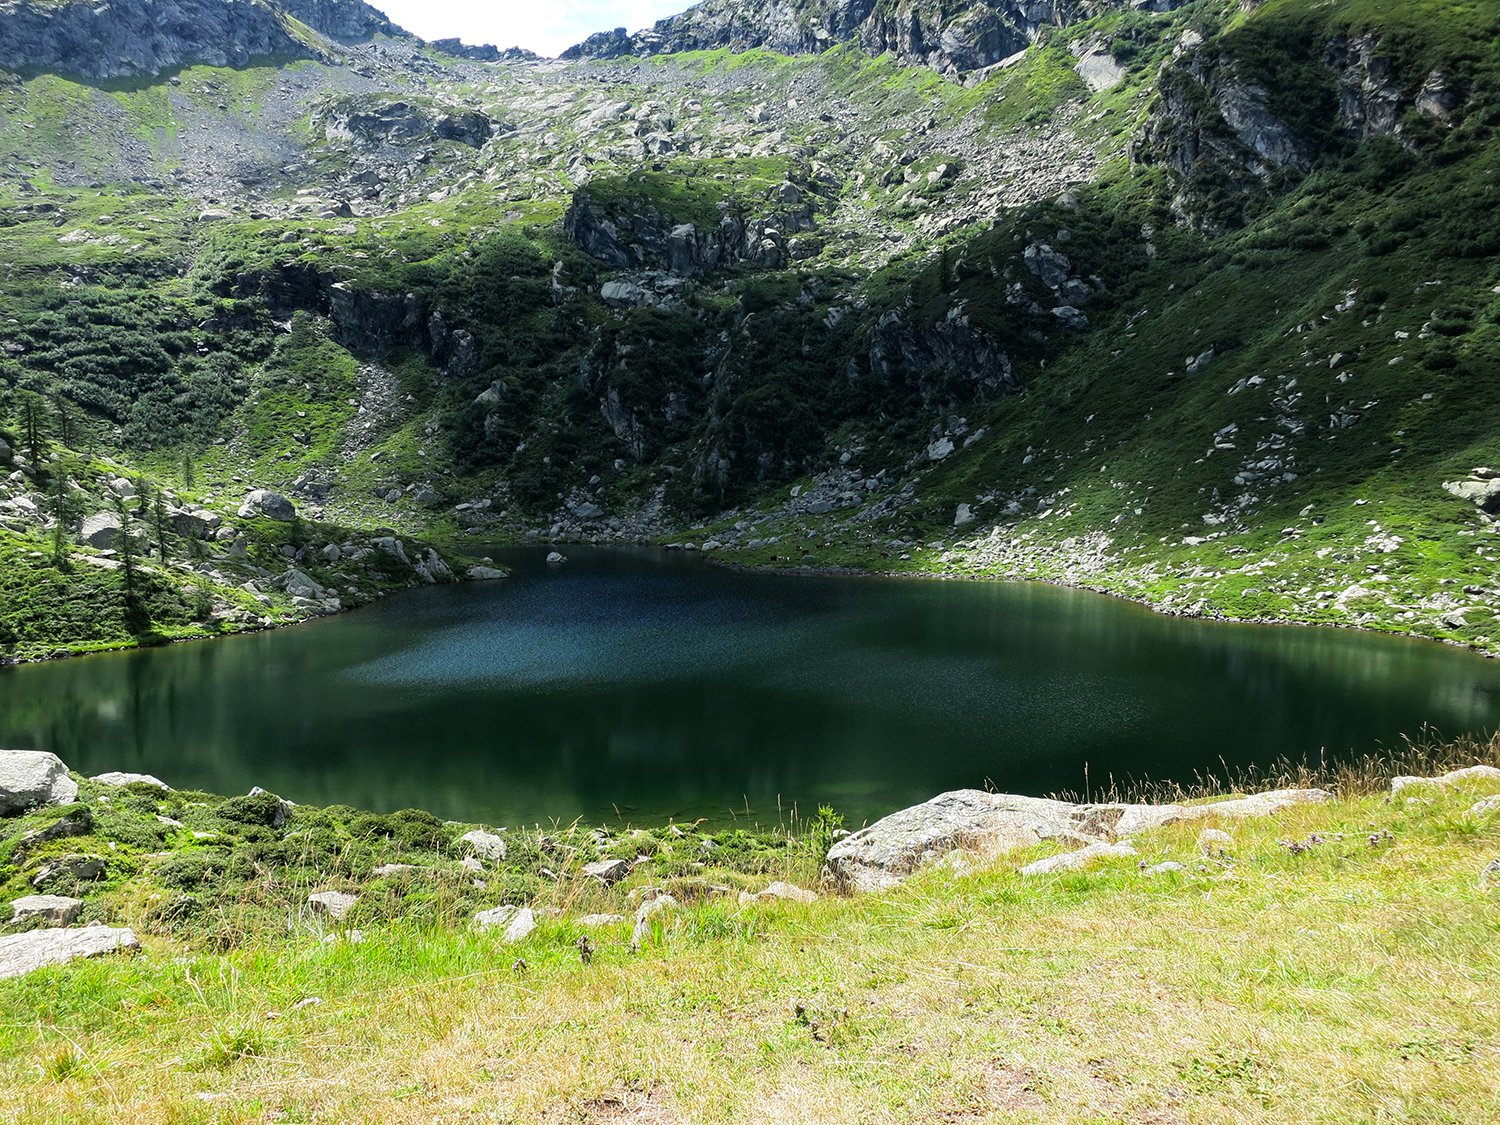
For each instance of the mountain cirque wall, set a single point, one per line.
(133, 38)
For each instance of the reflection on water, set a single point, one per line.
(656, 686)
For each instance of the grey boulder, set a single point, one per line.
(485, 845)
(988, 825)
(608, 871)
(58, 910)
(116, 778)
(31, 778)
(335, 904)
(271, 505)
(100, 531)
(25, 953)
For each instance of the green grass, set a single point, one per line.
(1339, 981)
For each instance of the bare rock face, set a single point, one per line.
(29, 778)
(987, 825)
(953, 38)
(126, 38)
(25, 953)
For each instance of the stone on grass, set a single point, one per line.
(1162, 868)
(78, 868)
(58, 910)
(485, 845)
(386, 870)
(116, 778)
(1486, 807)
(645, 912)
(78, 822)
(790, 892)
(31, 778)
(25, 953)
(271, 505)
(1072, 861)
(335, 904)
(521, 925)
(987, 825)
(592, 920)
(1211, 841)
(608, 871)
(1489, 875)
(495, 916)
(1472, 773)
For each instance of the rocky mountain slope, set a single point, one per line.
(1195, 305)
(955, 39)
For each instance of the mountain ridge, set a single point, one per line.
(818, 309)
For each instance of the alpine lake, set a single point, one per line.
(645, 686)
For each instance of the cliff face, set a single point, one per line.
(952, 38)
(346, 21)
(129, 38)
(142, 37)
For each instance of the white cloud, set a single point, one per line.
(544, 26)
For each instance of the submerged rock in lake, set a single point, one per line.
(988, 825)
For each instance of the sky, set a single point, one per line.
(544, 26)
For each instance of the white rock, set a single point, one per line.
(30, 778)
(1214, 840)
(335, 904)
(1162, 868)
(25, 953)
(1472, 773)
(779, 890)
(495, 916)
(592, 920)
(120, 779)
(1072, 861)
(485, 845)
(1486, 807)
(56, 909)
(988, 825)
(521, 925)
(556, 557)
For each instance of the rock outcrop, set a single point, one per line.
(952, 38)
(31, 778)
(633, 234)
(25, 953)
(344, 21)
(128, 38)
(988, 825)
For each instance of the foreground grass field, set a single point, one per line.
(1336, 963)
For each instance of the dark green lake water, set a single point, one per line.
(655, 686)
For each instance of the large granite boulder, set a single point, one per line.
(988, 825)
(100, 531)
(271, 505)
(30, 778)
(25, 953)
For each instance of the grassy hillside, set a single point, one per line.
(1279, 356)
(1331, 964)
